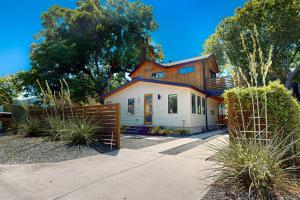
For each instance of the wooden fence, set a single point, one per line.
(107, 115)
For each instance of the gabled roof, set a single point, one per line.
(138, 79)
(171, 64)
(174, 64)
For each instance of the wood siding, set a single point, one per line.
(195, 78)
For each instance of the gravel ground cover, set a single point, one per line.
(140, 141)
(218, 192)
(188, 146)
(15, 149)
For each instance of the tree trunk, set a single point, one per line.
(291, 76)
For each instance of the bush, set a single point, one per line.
(81, 130)
(161, 131)
(31, 128)
(283, 110)
(182, 131)
(259, 166)
(57, 127)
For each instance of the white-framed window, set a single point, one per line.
(212, 112)
(172, 104)
(203, 106)
(130, 106)
(199, 104)
(193, 104)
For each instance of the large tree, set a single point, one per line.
(89, 44)
(278, 25)
(10, 88)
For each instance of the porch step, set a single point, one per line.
(140, 130)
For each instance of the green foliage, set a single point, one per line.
(259, 166)
(182, 131)
(31, 128)
(9, 89)
(277, 24)
(81, 130)
(57, 127)
(283, 109)
(90, 44)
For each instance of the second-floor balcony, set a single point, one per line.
(220, 83)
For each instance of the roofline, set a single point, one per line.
(177, 64)
(138, 79)
(138, 66)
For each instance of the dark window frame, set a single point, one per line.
(157, 75)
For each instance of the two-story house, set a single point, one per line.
(181, 94)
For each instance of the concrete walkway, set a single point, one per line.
(120, 175)
(169, 145)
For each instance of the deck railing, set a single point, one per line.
(221, 83)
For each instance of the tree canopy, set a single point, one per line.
(10, 88)
(278, 25)
(87, 45)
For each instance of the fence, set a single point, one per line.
(108, 115)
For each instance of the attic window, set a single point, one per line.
(213, 75)
(186, 70)
(158, 75)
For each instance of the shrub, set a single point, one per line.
(165, 131)
(259, 166)
(81, 130)
(182, 131)
(283, 111)
(57, 127)
(156, 130)
(31, 128)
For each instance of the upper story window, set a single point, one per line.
(158, 75)
(213, 75)
(186, 70)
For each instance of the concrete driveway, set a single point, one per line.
(120, 175)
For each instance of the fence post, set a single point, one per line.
(118, 126)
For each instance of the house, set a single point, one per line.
(185, 94)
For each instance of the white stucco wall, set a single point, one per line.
(161, 117)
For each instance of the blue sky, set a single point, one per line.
(183, 27)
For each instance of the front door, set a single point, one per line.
(148, 109)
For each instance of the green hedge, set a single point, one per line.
(283, 109)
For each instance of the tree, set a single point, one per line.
(87, 45)
(277, 24)
(10, 88)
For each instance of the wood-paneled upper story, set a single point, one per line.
(190, 71)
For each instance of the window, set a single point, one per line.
(213, 75)
(172, 104)
(193, 103)
(131, 106)
(199, 104)
(186, 70)
(158, 75)
(212, 112)
(203, 106)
